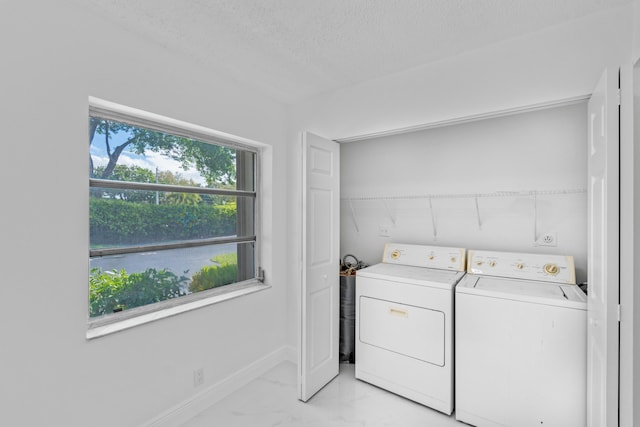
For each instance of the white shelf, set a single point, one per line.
(529, 193)
(532, 194)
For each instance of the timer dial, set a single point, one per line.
(551, 269)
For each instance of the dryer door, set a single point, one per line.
(412, 331)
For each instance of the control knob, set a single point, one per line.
(551, 269)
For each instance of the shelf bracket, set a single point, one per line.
(535, 216)
(478, 214)
(433, 220)
(391, 216)
(353, 215)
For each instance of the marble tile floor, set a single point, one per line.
(271, 400)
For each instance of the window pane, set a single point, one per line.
(154, 238)
(124, 281)
(124, 152)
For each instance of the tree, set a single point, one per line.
(215, 163)
(140, 174)
(170, 178)
(131, 174)
(188, 199)
(191, 199)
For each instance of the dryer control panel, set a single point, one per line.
(439, 257)
(547, 268)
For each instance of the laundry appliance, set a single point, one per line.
(404, 322)
(521, 342)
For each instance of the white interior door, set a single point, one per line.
(603, 253)
(318, 355)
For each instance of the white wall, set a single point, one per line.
(55, 55)
(542, 151)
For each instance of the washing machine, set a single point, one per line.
(521, 342)
(404, 322)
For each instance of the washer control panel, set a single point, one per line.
(547, 268)
(439, 257)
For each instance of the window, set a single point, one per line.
(172, 215)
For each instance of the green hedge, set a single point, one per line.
(117, 222)
(112, 291)
(213, 276)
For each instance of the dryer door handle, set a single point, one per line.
(398, 312)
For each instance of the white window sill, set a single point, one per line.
(117, 322)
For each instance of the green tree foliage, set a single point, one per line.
(170, 178)
(185, 199)
(139, 174)
(176, 198)
(215, 163)
(127, 173)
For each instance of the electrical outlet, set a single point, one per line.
(548, 239)
(384, 231)
(198, 377)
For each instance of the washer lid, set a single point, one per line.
(524, 290)
(445, 279)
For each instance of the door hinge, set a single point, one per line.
(619, 97)
(260, 275)
(619, 315)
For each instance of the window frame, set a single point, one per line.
(114, 322)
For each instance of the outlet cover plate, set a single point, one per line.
(384, 231)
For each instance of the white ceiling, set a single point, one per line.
(294, 49)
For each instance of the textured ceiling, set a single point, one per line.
(294, 49)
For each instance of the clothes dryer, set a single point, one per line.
(521, 342)
(404, 322)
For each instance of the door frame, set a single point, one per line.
(603, 252)
(629, 397)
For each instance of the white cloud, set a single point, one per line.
(150, 161)
(167, 164)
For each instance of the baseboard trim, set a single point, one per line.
(189, 408)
